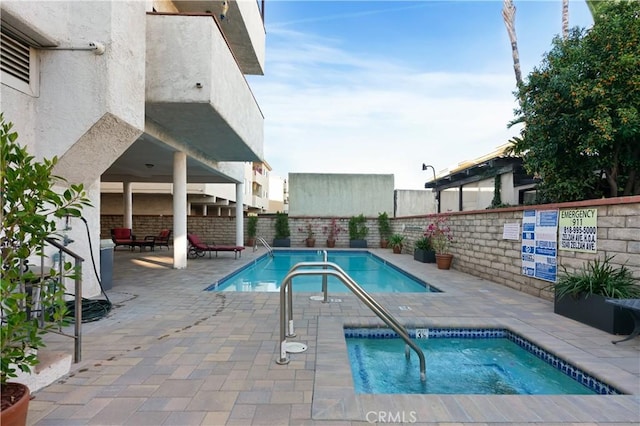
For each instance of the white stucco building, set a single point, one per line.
(203, 199)
(136, 92)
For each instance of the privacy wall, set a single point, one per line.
(335, 195)
(480, 248)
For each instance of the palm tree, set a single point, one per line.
(565, 19)
(509, 16)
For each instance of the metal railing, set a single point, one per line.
(77, 332)
(286, 307)
(264, 243)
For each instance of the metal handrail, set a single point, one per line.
(369, 301)
(77, 334)
(264, 243)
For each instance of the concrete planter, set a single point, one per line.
(424, 256)
(592, 310)
(357, 243)
(282, 242)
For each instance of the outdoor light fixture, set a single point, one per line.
(435, 185)
(427, 166)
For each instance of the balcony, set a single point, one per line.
(243, 29)
(196, 90)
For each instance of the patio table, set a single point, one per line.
(633, 305)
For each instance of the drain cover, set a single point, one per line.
(295, 347)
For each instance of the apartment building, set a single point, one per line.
(203, 199)
(136, 93)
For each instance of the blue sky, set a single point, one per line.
(384, 86)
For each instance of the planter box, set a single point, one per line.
(282, 242)
(594, 311)
(424, 256)
(357, 243)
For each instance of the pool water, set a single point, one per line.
(459, 365)
(369, 271)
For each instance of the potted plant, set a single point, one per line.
(252, 230)
(423, 250)
(582, 296)
(30, 210)
(310, 241)
(282, 231)
(396, 241)
(384, 227)
(441, 237)
(332, 231)
(358, 231)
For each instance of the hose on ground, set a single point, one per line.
(92, 309)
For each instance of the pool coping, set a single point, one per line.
(335, 397)
(220, 282)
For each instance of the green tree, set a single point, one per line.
(581, 107)
(30, 209)
(597, 7)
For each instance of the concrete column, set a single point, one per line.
(239, 214)
(179, 210)
(127, 198)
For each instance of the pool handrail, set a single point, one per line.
(264, 243)
(355, 288)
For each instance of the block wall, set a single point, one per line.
(478, 250)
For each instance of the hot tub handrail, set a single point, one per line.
(369, 301)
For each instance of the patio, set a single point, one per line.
(170, 354)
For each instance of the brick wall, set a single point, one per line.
(478, 250)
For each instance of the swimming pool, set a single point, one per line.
(371, 272)
(463, 361)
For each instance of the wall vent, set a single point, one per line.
(15, 58)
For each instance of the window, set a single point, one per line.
(18, 64)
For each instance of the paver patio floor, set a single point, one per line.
(171, 354)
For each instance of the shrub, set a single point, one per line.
(357, 227)
(601, 278)
(282, 225)
(423, 243)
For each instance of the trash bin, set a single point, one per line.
(106, 264)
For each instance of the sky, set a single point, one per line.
(384, 86)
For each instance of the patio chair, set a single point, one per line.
(122, 237)
(162, 239)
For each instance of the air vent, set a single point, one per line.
(14, 58)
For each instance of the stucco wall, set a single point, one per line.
(414, 202)
(334, 195)
(90, 107)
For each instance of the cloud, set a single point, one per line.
(328, 110)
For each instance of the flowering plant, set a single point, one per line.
(308, 229)
(332, 230)
(440, 234)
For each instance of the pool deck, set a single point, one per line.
(170, 354)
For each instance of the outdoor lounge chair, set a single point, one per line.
(197, 248)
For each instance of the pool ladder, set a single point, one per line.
(332, 269)
(264, 243)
